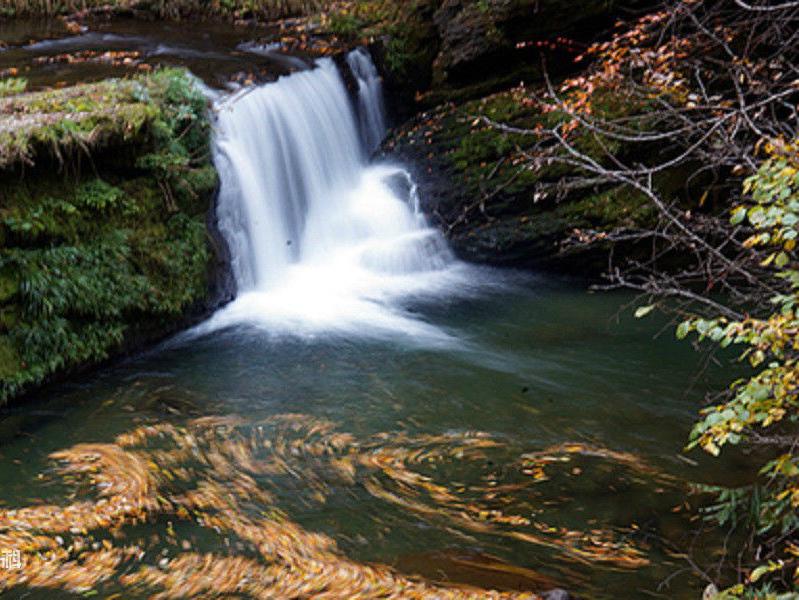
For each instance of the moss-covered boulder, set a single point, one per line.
(105, 192)
(477, 186)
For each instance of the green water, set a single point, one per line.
(536, 363)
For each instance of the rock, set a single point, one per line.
(556, 594)
(468, 35)
(113, 283)
(495, 212)
(480, 40)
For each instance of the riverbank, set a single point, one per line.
(494, 208)
(174, 9)
(108, 189)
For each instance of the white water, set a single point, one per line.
(370, 98)
(320, 239)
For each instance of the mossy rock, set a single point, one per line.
(9, 359)
(475, 183)
(64, 122)
(173, 9)
(96, 260)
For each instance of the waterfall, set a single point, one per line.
(370, 98)
(318, 236)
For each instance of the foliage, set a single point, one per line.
(345, 24)
(764, 407)
(208, 473)
(702, 84)
(12, 85)
(405, 27)
(97, 115)
(706, 87)
(89, 260)
(168, 9)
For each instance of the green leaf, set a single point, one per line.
(643, 311)
(759, 572)
(738, 215)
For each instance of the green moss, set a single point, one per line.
(345, 25)
(409, 47)
(494, 206)
(173, 9)
(98, 196)
(619, 207)
(73, 120)
(9, 359)
(406, 28)
(12, 85)
(95, 256)
(9, 285)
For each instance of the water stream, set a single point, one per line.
(457, 424)
(322, 239)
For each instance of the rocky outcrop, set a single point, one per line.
(105, 195)
(474, 182)
(435, 51)
(481, 39)
(475, 185)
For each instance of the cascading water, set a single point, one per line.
(370, 98)
(319, 238)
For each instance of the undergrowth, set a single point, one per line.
(102, 222)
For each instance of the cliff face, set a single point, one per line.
(481, 39)
(471, 175)
(445, 50)
(105, 191)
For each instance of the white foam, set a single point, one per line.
(322, 241)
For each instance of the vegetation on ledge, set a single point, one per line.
(68, 121)
(103, 236)
(173, 9)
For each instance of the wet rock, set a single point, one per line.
(474, 187)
